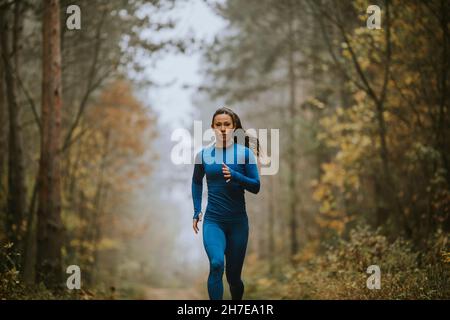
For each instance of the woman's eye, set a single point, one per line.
(225, 124)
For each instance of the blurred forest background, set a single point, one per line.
(364, 179)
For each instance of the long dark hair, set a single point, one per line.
(249, 141)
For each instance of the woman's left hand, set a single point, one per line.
(226, 172)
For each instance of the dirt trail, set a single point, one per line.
(151, 293)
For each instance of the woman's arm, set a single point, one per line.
(250, 180)
(197, 184)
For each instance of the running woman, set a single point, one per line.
(230, 169)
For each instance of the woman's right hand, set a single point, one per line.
(195, 223)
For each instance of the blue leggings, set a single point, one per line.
(227, 239)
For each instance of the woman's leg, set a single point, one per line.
(214, 242)
(237, 238)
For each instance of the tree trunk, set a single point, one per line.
(29, 251)
(292, 158)
(16, 168)
(271, 225)
(443, 125)
(3, 124)
(97, 212)
(49, 227)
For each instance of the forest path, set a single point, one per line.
(152, 293)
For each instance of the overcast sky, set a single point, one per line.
(173, 103)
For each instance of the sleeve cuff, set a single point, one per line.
(235, 175)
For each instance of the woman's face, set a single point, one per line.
(223, 127)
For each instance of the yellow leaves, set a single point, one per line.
(264, 282)
(86, 245)
(325, 207)
(408, 79)
(315, 102)
(446, 256)
(360, 96)
(333, 178)
(346, 54)
(320, 191)
(103, 166)
(119, 132)
(333, 174)
(108, 244)
(308, 251)
(74, 222)
(335, 224)
(349, 131)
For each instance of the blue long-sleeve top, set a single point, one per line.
(226, 201)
